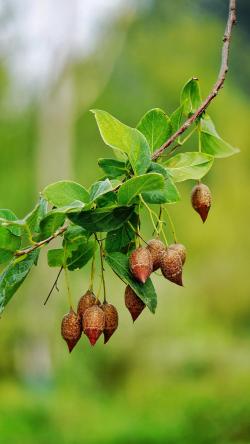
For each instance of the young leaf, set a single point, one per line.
(34, 218)
(123, 237)
(13, 276)
(55, 257)
(169, 194)
(212, 143)
(100, 188)
(191, 96)
(102, 219)
(156, 127)
(135, 186)
(74, 207)
(185, 166)
(50, 224)
(65, 192)
(112, 168)
(146, 292)
(8, 215)
(79, 253)
(126, 139)
(9, 243)
(175, 119)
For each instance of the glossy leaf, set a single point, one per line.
(65, 192)
(55, 257)
(212, 143)
(156, 127)
(122, 238)
(120, 265)
(191, 96)
(175, 119)
(100, 188)
(137, 185)
(13, 276)
(126, 139)
(169, 193)
(112, 167)
(190, 165)
(102, 219)
(9, 243)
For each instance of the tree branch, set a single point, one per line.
(41, 243)
(217, 86)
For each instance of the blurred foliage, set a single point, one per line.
(181, 376)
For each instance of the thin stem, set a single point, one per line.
(150, 214)
(136, 232)
(41, 243)
(231, 21)
(54, 286)
(92, 275)
(68, 287)
(102, 271)
(171, 225)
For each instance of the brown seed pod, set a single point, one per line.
(171, 266)
(86, 301)
(201, 199)
(181, 249)
(111, 321)
(71, 329)
(156, 248)
(93, 323)
(141, 264)
(133, 303)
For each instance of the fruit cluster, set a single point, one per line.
(94, 319)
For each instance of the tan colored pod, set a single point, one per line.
(141, 264)
(133, 303)
(111, 321)
(201, 199)
(171, 266)
(93, 323)
(156, 248)
(71, 329)
(181, 249)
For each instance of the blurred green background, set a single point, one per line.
(183, 375)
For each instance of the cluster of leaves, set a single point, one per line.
(112, 204)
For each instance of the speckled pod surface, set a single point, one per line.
(71, 329)
(141, 264)
(133, 303)
(201, 199)
(156, 248)
(111, 321)
(93, 323)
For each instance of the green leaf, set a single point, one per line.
(50, 224)
(126, 139)
(100, 188)
(34, 218)
(176, 118)
(65, 192)
(55, 257)
(112, 168)
(124, 237)
(146, 292)
(9, 243)
(212, 143)
(78, 247)
(74, 207)
(135, 186)
(191, 96)
(102, 219)
(13, 276)
(8, 215)
(185, 166)
(156, 127)
(169, 194)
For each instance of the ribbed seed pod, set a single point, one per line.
(181, 249)
(201, 199)
(141, 264)
(93, 323)
(156, 248)
(133, 303)
(171, 266)
(71, 329)
(86, 301)
(111, 321)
